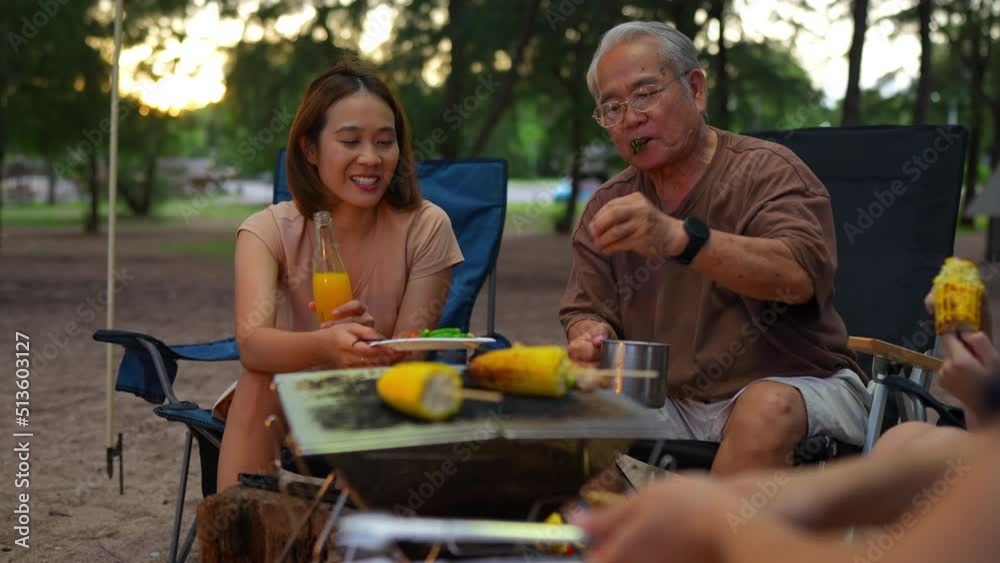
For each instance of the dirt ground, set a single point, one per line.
(51, 288)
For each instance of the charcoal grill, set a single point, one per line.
(492, 460)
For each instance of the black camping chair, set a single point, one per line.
(895, 194)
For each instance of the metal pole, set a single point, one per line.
(877, 414)
(491, 305)
(112, 203)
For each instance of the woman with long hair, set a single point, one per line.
(349, 154)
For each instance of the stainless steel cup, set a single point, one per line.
(629, 354)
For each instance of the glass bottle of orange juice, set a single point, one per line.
(331, 285)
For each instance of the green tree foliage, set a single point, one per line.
(477, 77)
(770, 90)
(55, 84)
(265, 83)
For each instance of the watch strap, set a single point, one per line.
(697, 233)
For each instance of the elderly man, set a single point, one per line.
(722, 246)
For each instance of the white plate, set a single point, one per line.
(425, 344)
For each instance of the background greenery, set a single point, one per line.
(534, 53)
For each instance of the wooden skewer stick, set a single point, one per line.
(610, 372)
(482, 395)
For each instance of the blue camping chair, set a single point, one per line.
(474, 195)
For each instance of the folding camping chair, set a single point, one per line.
(474, 195)
(895, 194)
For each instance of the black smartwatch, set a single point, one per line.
(697, 233)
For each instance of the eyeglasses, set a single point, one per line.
(642, 100)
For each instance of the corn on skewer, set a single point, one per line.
(481, 395)
(958, 295)
(612, 372)
(428, 390)
(544, 371)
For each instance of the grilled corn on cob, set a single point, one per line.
(543, 371)
(958, 295)
(426, 390)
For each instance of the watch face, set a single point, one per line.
(698, 234)
(697, 228)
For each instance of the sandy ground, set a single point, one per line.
(51, 288)
(51, 279)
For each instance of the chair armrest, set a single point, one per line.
(125, 338)
(217, 351)
(883, 349)
(149, 366)
(132, 342)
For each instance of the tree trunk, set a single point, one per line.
(922, 109)
(995, 148)
(50, 172)
(3, 156)
(500, 102)
(451, 146)
(578, 58)
(95, 193)
(993, 241)
(565, 225)
(575, 94)
(975, 138)
(852, 98)
(993, 235)
(721, 94)
(149, 187)
(682, 15)
(4, 80)
(971, 169)
(139, 196)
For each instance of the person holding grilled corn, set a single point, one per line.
(963, 322)
(894, 497)
(722, 246)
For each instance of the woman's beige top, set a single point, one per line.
(404, 245)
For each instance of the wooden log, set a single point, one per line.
(245, 525)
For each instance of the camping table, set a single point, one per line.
(492, 460)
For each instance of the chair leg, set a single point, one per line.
(491, 302)
(922, 378)
(181, 490)
(912, 408)
(877, 413)
(188, 542)
(875, 417)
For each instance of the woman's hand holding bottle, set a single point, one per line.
(350, 312)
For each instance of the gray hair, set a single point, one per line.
(675, 47)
